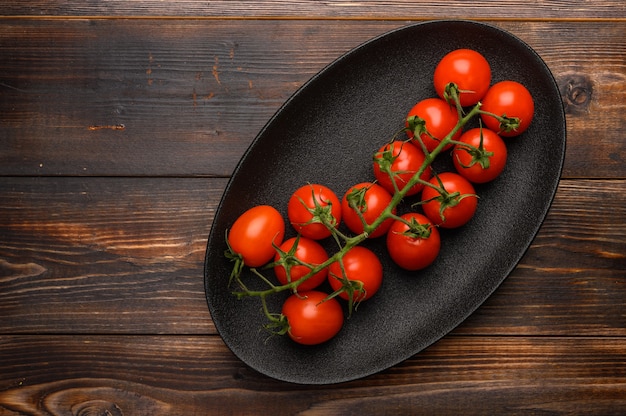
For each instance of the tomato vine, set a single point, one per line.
(321, 211)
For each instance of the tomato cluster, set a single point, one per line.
(401, 171)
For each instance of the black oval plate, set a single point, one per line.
(326, 133)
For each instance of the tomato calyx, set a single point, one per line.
(417, 126)
(236, 258)
(416, 229)
(288, 259)
(277, 325)
(479, 154)
(452, 93)
(286, 264)
(354, 289)
(386, 158)
(507, 124)
(446, 199)
(321, 214)
(356, 200)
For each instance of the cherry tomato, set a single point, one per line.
(439, 120)
(455, 207)
(309, 205)
(312, 319)
(253, 233)
(510, 99)
(469, 70)
(413, 247)
(403, 160)
(371, 200)
(485, 161)
(361, 265)
(307, 251)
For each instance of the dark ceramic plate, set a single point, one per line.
(326, 133)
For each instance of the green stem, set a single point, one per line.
(416, 178)
(349, 243)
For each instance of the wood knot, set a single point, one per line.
(96, 408)
(576, 92)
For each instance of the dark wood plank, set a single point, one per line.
(111, 253)
(186, 97)
(326, 9)
(198, 375)
(125, 255)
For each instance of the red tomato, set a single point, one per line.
(485, 161)
(510, 99)
(455, 207)
(402, 160)
(312, 320)
(253, 233)
(311, 205)
(413, 247)
(371, 200)
(360, 265)
(466, 68)
(305, 251)
(439, 118)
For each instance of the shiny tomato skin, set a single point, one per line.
(308, 251)
(457, 215)
(304, 199)
(376, 199)
(469, 70)
(475, 173)
(360, 264)
(408, 159)
(253, 233)
(508, 98)
(413, 252)
(312, 320)
(440, 119)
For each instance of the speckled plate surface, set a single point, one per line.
(326, 133)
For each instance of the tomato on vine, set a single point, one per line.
(312, 209)
(513, 103)
(482, 158)
(468, 70)
(413, 243)
(399, 160)
(454, 206)
(295, 259)
(365, 201)
(312, 318)
(251, 237)
(433, 119)
(363, 274)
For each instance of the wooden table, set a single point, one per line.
(120, 123)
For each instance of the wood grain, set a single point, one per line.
(159, 375)
(120, 123)
(67, 267)
(186, 98)
(328, 9)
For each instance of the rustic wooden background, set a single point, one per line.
(120, 123)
